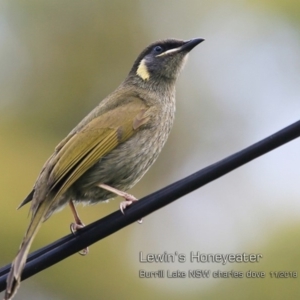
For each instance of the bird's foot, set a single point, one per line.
(74, 227)
(128, 202)
(129, 199)
(77, 225)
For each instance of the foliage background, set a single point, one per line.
(60, 58)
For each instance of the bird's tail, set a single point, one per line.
(14, 276)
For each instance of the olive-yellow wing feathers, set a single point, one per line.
(83, 148)
(95, 140)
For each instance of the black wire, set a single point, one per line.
(70, 244)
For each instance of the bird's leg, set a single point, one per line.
(129, 199)
(78, 224)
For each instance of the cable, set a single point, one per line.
(70, 244)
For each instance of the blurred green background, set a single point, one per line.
(60, 58)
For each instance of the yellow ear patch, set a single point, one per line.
(142, 70)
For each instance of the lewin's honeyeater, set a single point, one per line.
(111, 149)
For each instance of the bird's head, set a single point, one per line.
(162, 60)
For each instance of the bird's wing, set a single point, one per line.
(94, 141)
(86, 147)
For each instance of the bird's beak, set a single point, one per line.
(186, 47)
(189, 45)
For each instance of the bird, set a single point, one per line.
(111, 149)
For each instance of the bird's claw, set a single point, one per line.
(127, 203)
(74, 227)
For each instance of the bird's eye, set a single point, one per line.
(158, 49)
